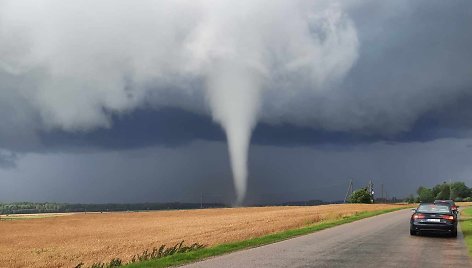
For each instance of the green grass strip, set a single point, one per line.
(466, 226)
(183, 258)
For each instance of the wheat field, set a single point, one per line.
(70, 239)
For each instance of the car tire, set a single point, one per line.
(454, 233)
(412, 232)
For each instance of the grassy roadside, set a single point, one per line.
(179, 259)
(466, 226)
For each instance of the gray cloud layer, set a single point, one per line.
(7, 159)
(414, 59)
(82, 68)
(73, 64)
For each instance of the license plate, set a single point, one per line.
(433, 220)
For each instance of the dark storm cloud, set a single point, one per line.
(402, 115)
(278, 174)
(176, 127)
(142, 128)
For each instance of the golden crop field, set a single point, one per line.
(68, 240)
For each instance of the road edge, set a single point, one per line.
(466, 228)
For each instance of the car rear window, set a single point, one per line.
(442, 202)
(433, 209)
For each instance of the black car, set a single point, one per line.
(437, 218)
(448, 203)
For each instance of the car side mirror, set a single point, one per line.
(413, 210)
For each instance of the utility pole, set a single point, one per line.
(382, 192)
(371, 191)
(201, 200)
(450, 189)
(349, 191)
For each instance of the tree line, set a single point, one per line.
(456, 191)
(31, 208)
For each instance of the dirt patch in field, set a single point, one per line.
(69, 240)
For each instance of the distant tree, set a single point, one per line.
(410, 199)
(459, 190)
(436, 190)
(420, 189)
(361, 196)
(444, 193)
(425, 194)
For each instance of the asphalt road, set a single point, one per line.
(381, 241)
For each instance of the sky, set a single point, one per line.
(242, 103)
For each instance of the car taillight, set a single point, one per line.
(448, 217)
(418, 216)
(454, 208)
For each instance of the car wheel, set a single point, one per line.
(412, 232)
(454, 233)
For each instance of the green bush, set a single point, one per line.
(361, 196)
